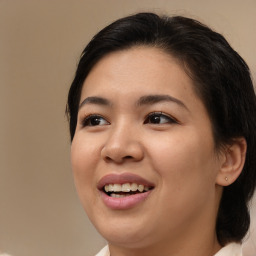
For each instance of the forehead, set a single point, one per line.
(143, 66)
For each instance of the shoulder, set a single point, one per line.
(232, 249)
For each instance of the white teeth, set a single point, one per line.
(117, 187)
(134, 187)
(110, 187)
(126, 187)
(117, 195)
(141, 188)
(146, 188)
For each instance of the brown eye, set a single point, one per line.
(94, 120)
(159, 118)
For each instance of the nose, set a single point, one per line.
(123, 144)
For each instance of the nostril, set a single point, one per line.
(109, 159)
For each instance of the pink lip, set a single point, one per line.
(126, 202)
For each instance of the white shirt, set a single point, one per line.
(231, 249)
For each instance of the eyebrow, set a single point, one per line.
(153, 99)
(144, 100)
(95, 100)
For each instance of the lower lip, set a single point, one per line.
(124, 203)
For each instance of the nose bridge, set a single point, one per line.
(123, 142)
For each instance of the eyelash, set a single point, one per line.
(87, 121)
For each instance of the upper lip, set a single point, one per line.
(121, 179)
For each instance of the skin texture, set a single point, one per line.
(177, 155)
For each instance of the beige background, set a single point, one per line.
(40, 42)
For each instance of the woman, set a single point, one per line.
(162, 117)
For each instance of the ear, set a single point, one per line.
(232, 162)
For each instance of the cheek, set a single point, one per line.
(185, 159)
(84, 153)
(186, 168)
(83, 161)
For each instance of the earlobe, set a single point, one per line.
(232, 162)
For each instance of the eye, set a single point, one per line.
(159, 118)
(94, 120)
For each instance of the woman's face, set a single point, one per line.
(144, 136)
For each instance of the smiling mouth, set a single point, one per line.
(124, 190)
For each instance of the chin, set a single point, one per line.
(126, 239)
(123, 232)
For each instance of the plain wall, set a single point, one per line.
(40, 43)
